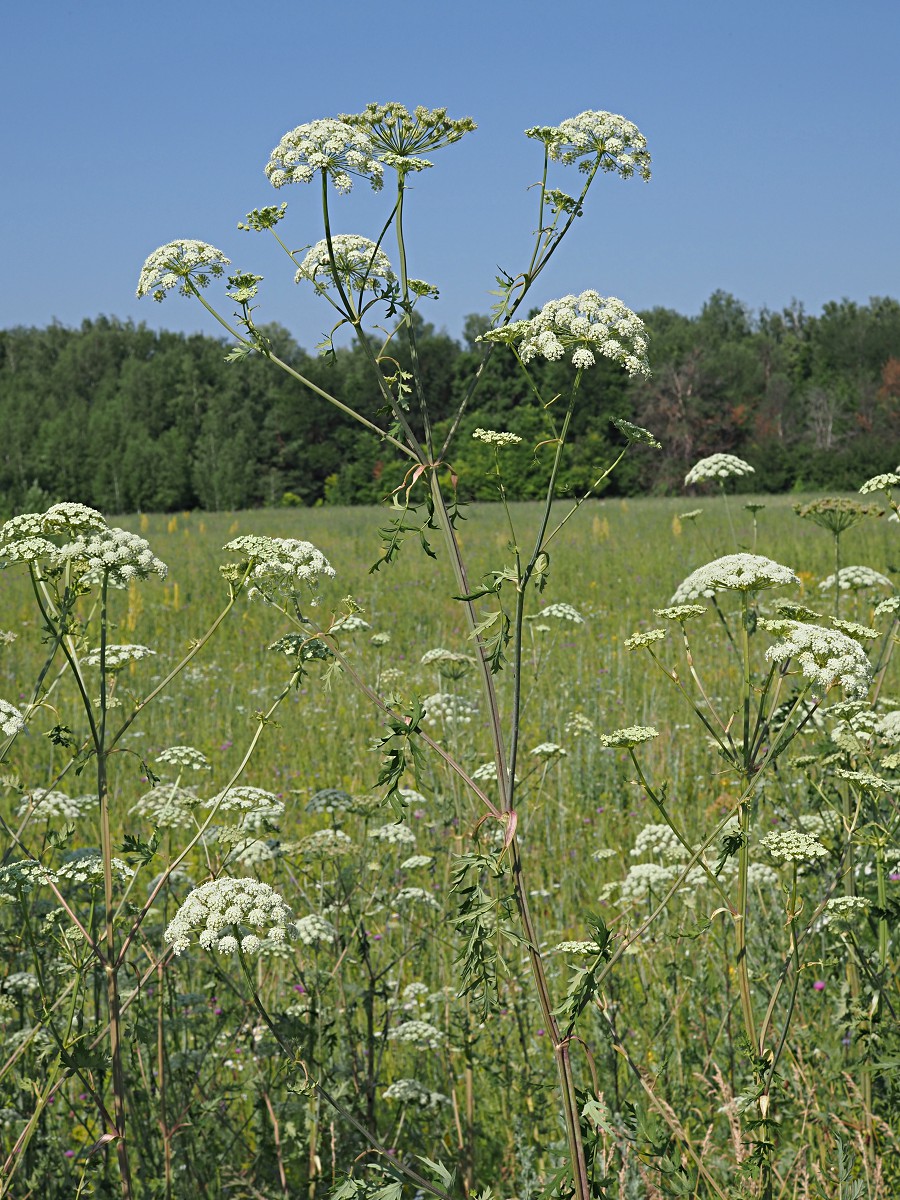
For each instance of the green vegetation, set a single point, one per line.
(811, 401)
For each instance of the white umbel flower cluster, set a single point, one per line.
(359, 265)
(114, 554)
(559, 611)
(880, 483)
(119, 656)
(51, 805)
(586, 325)
(631, 735)
(279, 564)
(328, 145)
(659, 841)
(184, 758)
(172, 265)
(733, 572)
(254, 804)
(417, 1033)
(717, 466)
(495, 438)
(855, 579)
(790, 845)
(617, 143)
(215, 910)
(167, 806)
(825, 656)
(11, 720)
(410, 1091)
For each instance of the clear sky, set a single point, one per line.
(773, 128)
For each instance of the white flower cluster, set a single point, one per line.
(417, 860)
(825, 656)
(659, 841)
(548, 750)
(54, 806)
(880, 483)
(855, 579)
(172, 265)
(217, 908)
(21, 982)
(717, 466)
(410, 1091)
(351, 623)
(324, 844)
(416, 1033)
(733, 572)
(85, 866)
(279, 564)
(21, 876)
(588, 325)
(494, 438)
(116, 554)
(844, 909)
(393, 835)
(790, 845)
(255, 805)
(359, 265)
(440, 655)
(415, 895)
(559, 612)
(11, 720)
(452, 710)
(167, 806)
(118, 656)
(485, 772)
(644, 638)
(66, 519)
(631, 735)
(680, 612)
(184, 758)
(617, 143)
(577, 725)
(313, 929)
(329, 800)
(328, 145)
(644, 878)
(585, 948)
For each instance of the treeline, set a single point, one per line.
(123, 418)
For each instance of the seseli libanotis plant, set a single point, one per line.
(366, 280)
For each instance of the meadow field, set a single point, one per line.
(231, 1065)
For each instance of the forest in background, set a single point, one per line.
(125, 418)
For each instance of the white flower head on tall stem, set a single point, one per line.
(11, 720)
(359, 265)
(856, 579)
(585, 325)
(825, 656)
(733, 572)
(880, 483)
(617, 143)
(398, 136)
(220, 910)
(328, 145)
(717, 466)
(116, 554)
(277, 564)
(176, 263)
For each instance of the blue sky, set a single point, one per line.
(773, 128)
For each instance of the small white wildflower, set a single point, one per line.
(558, 612)
(578, 725)
(414, 895)
(417, 860)
(22, 876)
(646, 638)
(494, 438)
(417, 1033)
(410, 1091)
(393, 835)
(887, 606)
(855, 579)
(255, 805)
(603, 854)
(118, 656)
(29, 549)
(734, 572)
(659, 841)
(329, 145)
(21, 982)
(867, 780)
(646, 877)
(329, 800)
(279, 564)
(86, 866)
(184, 758)
(359, 265)
(584, 948)
(845, 910)
(587, 325)
(351, 623)
(631, 735)
(452, 658)
(484, 772)
(826, 656)
(790, 845)
(593, 136)
(114, 554)
(167, 806)
(55, 806)
(548, 750)
(880, 483)
(762, 876)
(178, 263)
(449, 708)
(215, 908)
(717, 466)
(680, 612)
(11, 720)
(324, 844)
(313, 929)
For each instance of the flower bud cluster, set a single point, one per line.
(217, 909)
